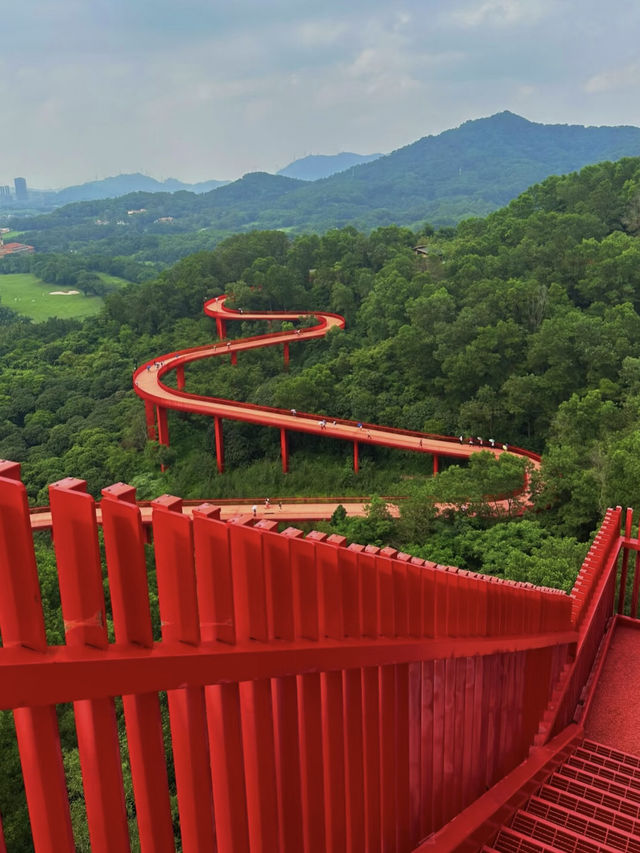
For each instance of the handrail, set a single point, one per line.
(148, 385)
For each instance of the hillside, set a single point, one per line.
(119, 185)
(317, 166)
(442, 179)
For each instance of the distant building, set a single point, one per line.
(14, 248)
(21, 189)
(5, 193)
(135, 212)
(164, 219)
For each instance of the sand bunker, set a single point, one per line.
(63, 292)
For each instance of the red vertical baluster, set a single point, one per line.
(332, 623)
(249, 569)
(388, 756)
(217, 614)
(636, 584)
(427, 746)
(22, 624)
(384, 567)
(467, 725)
(276, 551)
(124, 548)
(350, 587)
(75, 538)
(625, 562)
(227, 768)
(369, 591)
(326, 556)
(175, 572)
(347, 579)
(305, 591)
(440, 739)
(371, 731)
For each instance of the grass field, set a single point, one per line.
(26, 294)
(113, 279)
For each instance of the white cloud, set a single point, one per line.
(616, 79)
(502, 13)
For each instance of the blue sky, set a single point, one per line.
(197, 90)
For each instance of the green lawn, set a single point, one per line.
(26, 294)
(112, 279)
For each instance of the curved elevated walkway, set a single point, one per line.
(159, 397)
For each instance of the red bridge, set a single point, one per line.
(159, 397)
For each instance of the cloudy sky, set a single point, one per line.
(199, 89)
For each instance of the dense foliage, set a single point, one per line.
(524, 326)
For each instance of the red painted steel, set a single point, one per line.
(319, 697)
(148, 385)
(80, 575)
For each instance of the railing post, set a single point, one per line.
(177, 596)
(124, 540)
(22, 624)
(219, 439)
(625, 562)
(636, 583)
(75, 539)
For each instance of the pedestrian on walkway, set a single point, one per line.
(254, 510)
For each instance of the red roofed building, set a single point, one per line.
(14, 248)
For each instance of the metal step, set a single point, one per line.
(595, 804)
(558, 837)
(601, 831)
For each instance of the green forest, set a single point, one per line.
(523, 326)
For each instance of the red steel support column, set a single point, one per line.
(163, 428)
(150, 417)
(284, 449)
(234, 357)
(219, 444)
(221, 328)
(356, 462)
(285, 350)
(180, 376)
(435, 464)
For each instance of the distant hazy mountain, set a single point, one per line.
(123, 184)
(469, 171)
(317, 166)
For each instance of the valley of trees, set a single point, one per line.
(523, 326)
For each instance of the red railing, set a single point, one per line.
(320, 697)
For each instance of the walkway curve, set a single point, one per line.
(158, 397)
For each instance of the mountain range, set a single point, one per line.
(467, 171)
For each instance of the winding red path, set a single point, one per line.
(158, 397)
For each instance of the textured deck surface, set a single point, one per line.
(614, 718)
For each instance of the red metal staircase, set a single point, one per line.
(320, 697)
(590, 803)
